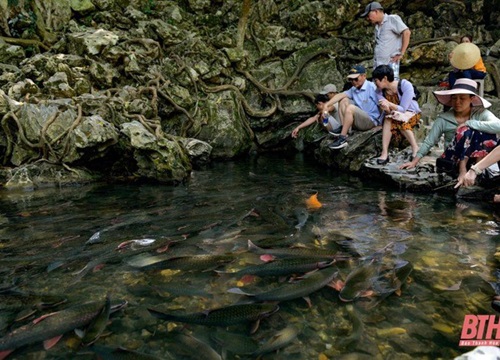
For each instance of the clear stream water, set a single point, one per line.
(64, 242)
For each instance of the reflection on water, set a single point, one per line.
(77, 243)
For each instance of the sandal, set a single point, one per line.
(382, 161)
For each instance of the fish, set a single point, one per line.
(108, 353)
(135, 242)
(173, 288)
(51, 326)
(225, 316)
(357, 331)
(313, 203)
(15, 299)
(188, 263)
(391, 281)
(198, 347)
(357, 282)
(279, 340)
(285, 266)
(295, 252)
(98, 324)
(302, 215)
(311, 283)
(233, 342)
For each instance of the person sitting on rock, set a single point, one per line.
(479, 168)
(395, 96)
(323, 114)
(467, 61)
(469, 129)
(358, 106)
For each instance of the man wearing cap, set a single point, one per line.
(392, 36)
(358, 106)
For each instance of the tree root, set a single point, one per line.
(24, 42)
(43, 140)
(10, 139)
(69, 132)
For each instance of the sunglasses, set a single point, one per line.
(354, 80)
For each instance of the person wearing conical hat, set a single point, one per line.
(469, 128)
(466, 61)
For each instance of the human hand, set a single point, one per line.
(396, 58)
(384, 105)
(468, 179)
(410, 165)
(295, 132)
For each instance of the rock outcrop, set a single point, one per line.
(147, 89)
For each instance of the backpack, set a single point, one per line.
(415, 90)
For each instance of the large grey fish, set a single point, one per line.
(52, 326)
(171, 289)
(107, 353)
(226, 316)
(302, 288)
(285, 267)
(357, 282)
(390, 281)
(97, 325)
(233, 342)
(198, 347)
(15, 299)
(295, 252)
(191, 262)
(279, 340)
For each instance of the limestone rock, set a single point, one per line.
(91, 42)
(160, 159)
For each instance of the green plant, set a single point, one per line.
(149, 7)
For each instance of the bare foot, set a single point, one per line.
(496, 198)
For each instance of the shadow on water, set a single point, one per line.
(412, 265)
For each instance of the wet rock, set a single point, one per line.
(199, 151)
(33, 176)
(156, 158)
(225, 129)
(92, 137)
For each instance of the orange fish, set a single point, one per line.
(313, 202)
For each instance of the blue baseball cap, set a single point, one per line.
(355, 71)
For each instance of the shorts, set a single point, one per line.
(362, 121)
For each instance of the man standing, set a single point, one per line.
(358, 106)
(392, 36)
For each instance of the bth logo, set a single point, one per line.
(480, 330)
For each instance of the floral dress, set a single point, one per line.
(469, 143)
(398, 140)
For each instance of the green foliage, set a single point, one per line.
(149, 7)
(22, 20)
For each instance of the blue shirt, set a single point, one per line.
(366, 99)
